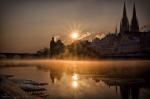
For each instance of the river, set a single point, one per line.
(104, 79)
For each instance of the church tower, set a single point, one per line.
(124, 24)
(134, 27)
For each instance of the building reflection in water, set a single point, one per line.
(129, 92)
(129, 88)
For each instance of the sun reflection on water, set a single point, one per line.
(74, 84)
(75, 77)
(75, 81)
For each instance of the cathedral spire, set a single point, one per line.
(116, 31)
(124, 10)
(134, 22)
(124, 25)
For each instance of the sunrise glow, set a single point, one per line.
(74, 35)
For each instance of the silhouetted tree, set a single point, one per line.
(59, 47)
(56, 48)
(52, 47)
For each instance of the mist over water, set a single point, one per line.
(106, 79)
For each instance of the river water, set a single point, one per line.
(106, 79)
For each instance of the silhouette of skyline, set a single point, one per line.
(29, 25)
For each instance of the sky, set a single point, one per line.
(28, 25)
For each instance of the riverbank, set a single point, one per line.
(19, 89)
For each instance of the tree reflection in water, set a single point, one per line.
(129, 87)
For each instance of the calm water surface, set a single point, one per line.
(88, 81)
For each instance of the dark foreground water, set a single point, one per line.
(86, 80)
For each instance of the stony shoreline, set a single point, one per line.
(11, 89)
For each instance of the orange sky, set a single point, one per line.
(28, 25)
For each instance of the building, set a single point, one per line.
(130, 41)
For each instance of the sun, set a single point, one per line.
(74, 35)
